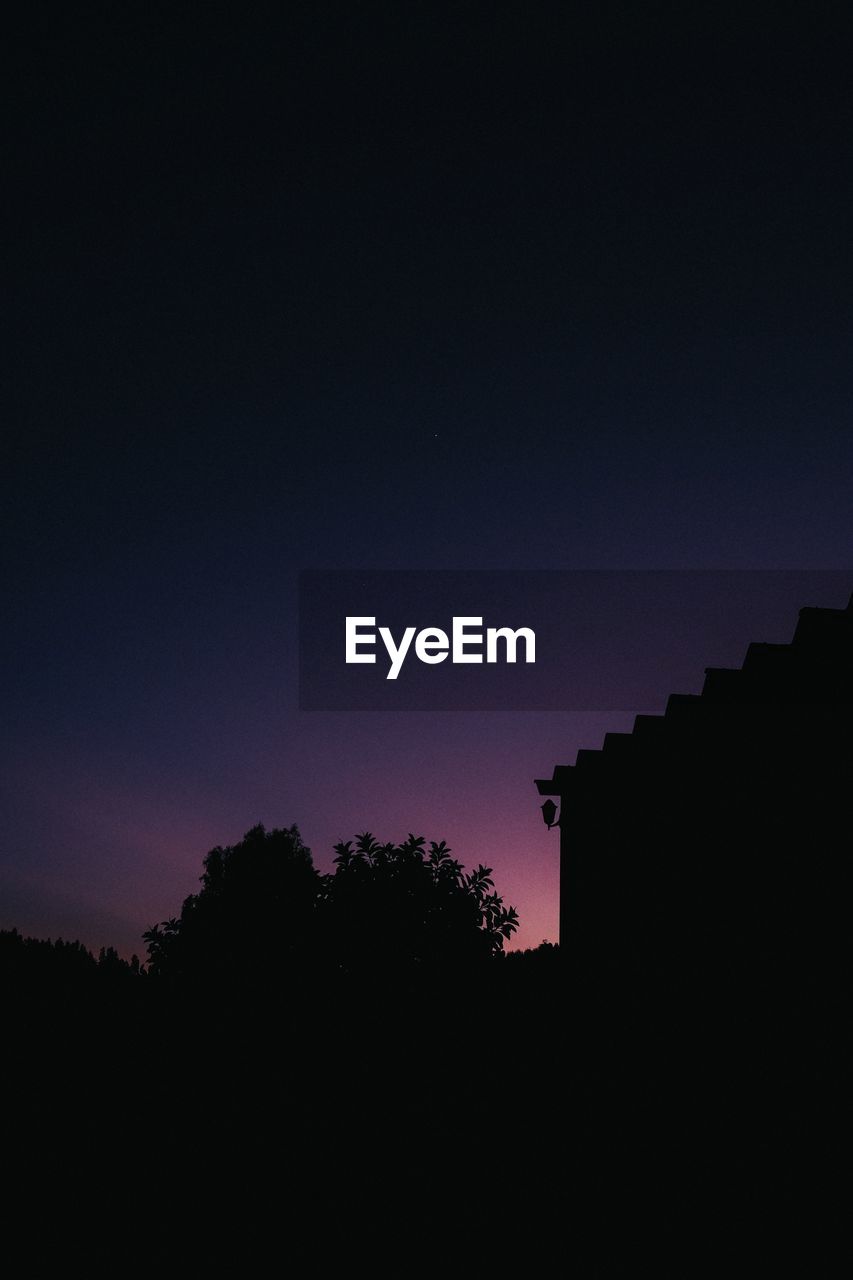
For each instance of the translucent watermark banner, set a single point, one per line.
(539, 640)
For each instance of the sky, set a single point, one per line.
(423, 286)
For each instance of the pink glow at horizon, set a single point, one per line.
(113, 847)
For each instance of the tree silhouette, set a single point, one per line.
(251, 918)
(264, 911)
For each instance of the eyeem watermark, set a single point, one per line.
(591, 640)
(433, 645)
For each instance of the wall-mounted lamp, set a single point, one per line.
(549, 814)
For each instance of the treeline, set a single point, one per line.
(59, 961)
(388, 913)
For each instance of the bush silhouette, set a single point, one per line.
(407, 905)
(264, 911)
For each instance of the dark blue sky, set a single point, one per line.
(382, 286)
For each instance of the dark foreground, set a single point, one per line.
(146, 1119)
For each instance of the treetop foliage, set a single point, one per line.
(264, 907)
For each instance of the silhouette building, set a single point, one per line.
(705, 856)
